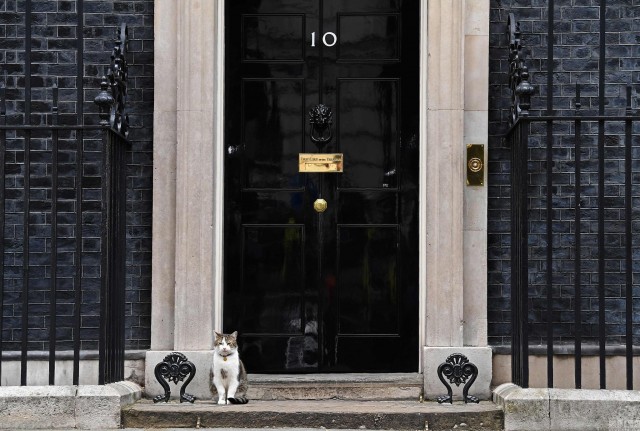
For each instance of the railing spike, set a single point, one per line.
(113, 88)
(521, 88)
(104, 100)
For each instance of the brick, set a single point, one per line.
(54, 61)
(575, 57)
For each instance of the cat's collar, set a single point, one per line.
(224, 357)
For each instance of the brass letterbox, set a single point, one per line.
(327, 163)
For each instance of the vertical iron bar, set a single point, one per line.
(113, 289)
(25, 260)
(112, 280)
(111, 328)
(549, 257)
(578, 257)
(601, 249)
(3, 146)
(54, 238)
(116, 264)
(112, 298)
(601, 252)
(27, 63)
(524, 250)
(78, 259)
(516, 359)
(122, 217)
(115, 284)
(549, 229)
(628, 242)
(520, 262)
(79, 167)
(27, 168)
(106, 246)
(118, 286)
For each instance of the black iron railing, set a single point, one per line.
(112, 301)
(62, 220)
(572, 191)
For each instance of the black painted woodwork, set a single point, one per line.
(337, 291)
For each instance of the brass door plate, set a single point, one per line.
(475, 165)
(314, 162)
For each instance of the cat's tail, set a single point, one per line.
(238, 400)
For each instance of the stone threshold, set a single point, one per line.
(330, 414)
(407, 379)
(352, 386)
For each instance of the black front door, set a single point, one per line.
(332, 291)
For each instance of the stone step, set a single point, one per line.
(357, 387)
(328, 414)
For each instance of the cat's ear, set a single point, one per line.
(217, 334)
(234, 334)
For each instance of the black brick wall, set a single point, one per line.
(576, 60)
(54, 60)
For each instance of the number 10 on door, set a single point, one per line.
(325, 37)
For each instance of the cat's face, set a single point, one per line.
(226, 344)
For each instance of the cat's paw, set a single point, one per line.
(222, 402)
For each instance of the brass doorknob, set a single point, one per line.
(320, 205)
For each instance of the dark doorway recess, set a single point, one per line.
(335, 291)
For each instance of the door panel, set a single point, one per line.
(273, 37)
(367, 131)
(368, 282)
(273, 131)
(369, 206)
(276, 294)
(370, 37)
(331, 291)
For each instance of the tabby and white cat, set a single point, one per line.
(228, 375)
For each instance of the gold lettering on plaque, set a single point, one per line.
(315, 162)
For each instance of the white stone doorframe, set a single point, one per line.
(188, 193)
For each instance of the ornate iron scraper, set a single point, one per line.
(174, 368)
(458, 370)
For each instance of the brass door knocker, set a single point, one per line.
(320, 119)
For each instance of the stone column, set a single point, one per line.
(445, 181)
(188, 151)
(476, 131)
(164, 174)
(455, 214)
(194, 305)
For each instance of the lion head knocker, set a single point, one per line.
(320, 119)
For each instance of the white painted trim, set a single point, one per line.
(218, 229)
(218, 136)
(422, 186)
